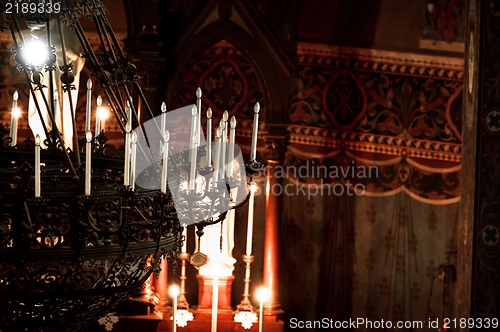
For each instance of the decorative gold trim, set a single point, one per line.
(392, 145)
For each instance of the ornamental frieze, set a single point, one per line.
(377, 103)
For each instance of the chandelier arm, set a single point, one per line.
(113, 36)
(111, 98)
(13, 23)
(70, 97)
(141, 125)
(243, 202)
(55, 130)
(146, 104)
(100, 18)
(209, 222)
(97, 70)
(104, 43)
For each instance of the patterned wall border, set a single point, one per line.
(376, 143)
(311, 54)
(391, 145)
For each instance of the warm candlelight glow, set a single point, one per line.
(174, 291)
(262, 294)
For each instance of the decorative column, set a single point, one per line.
(160, 284)
(274, 155)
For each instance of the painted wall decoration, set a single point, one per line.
(379, 103)
(227, 80)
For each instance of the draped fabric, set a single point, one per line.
(367, 257)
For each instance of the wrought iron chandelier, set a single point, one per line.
(83, 225)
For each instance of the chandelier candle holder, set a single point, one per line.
(245, 313)
(77, 238)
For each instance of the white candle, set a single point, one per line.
(225, 119)
(98, 117)
(164, 168)
(14, 117)
(194, 123)
(251, 201)
(192, 173)
(198, 105)
(174, 292)
(126, 169)
(88, 150)
(89, 104)
(163, 124)
(253, 150)
(230, 154)
(184, 243)
(262, 295)
(133, 160)
(218, 135)
(57, 110)
(215, 301)
(192, 148)
(209, 137)
(37, 166)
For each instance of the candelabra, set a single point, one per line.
(79, 236)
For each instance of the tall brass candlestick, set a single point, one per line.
(183, 303)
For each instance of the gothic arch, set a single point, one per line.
(273, 75)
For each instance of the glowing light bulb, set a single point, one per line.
(35, 52)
